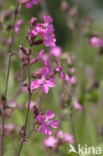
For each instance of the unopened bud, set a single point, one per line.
(29, 51)
(35, 110)
(3, 101)
(37, 42)
(33, 21)
(23, 49)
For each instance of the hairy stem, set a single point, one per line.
(6, 88)
(27, 114)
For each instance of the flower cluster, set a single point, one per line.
(45, 122)
(45, 30)
(43, 83)
(60, 139)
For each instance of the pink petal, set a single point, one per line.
(50, 141)
(62, 75)
(44, 129)
(73, 80)
(56, 51)
(69, 138)
(77, 106)
(50, 83)
(35, 84)
(67, 79)
(45, 88)
(95, 42)
(49, 115)
(40, 119)
(53, 123)
(48, 19)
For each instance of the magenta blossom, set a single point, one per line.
(73, 80)
(96, 42)
(55, 51)
(50, 141)
(29, 3)
(46, 31)
(43, 83)
(77, 105)
(18, 25)
(65, 137)
(44, 58)
(60, 139)
(59, 69)
(46, 122)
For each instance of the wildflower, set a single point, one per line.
(72, 70)
(59, 69)
(18, 25)
(46, 31)
(33, 21)
(43, 83)
(55, 51)
(73, 80)
(77, 105)
(67, 79)
(29, 3)
(50, 141)
(96, 42)
(46, 122)
(60, 139)
(64, 137)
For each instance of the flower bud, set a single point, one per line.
(33, 21)
(37, 42)
(3, 101)
(35, 110)
(23, 49)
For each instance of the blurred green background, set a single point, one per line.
(89, 123)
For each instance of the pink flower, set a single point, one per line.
(77, 105)
(43, 83)
(46, 122)
(72, 70)
(73, 80)
(29, 3)
(18, 25)
(33, 21)
(95, 42)
(44, 58)
(59, 69)
(67, 79)
(46, 31)
(55, 51)
(33, 34)
(60, 139)
(65, 137)
(50, 141)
